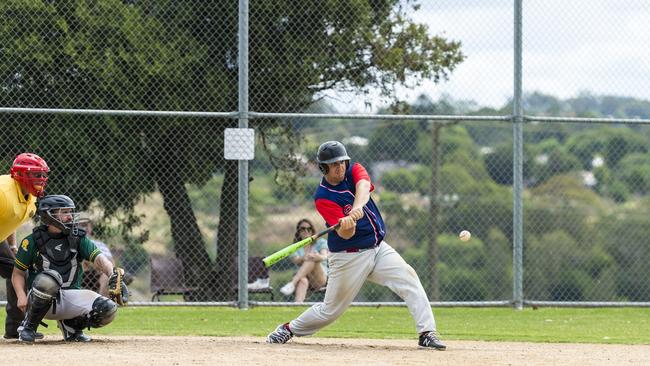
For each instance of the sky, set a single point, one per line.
(596, 46)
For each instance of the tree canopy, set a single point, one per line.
(169, 55)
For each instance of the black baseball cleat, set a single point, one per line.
(77, 336)
(37, 335)
(282, 334)
(430, 340)
(27, 335)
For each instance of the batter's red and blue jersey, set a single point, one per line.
(335, 202)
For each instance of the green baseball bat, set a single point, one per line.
(288, 250)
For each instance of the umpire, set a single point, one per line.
(18, 193)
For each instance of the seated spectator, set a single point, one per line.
(311, 261)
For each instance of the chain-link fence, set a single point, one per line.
(127, 101)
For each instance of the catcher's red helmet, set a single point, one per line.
(30, 171)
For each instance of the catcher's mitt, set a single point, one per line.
(116, 288)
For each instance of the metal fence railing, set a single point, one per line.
(128, 102)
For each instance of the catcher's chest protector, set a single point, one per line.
(59, 254)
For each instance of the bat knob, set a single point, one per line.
(266, 262)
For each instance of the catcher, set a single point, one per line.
(48, 263)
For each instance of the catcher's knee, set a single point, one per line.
(103, 312)
(46, 285)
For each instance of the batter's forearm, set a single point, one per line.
(346, 233)
(362, 194)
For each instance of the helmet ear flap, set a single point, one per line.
(323, 168)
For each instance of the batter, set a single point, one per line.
(358, 252)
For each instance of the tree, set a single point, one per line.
(626, 242)
(551, 159)
(612, 143)
(499, 163)
(166, 55)
(87, 54)
(634, 170)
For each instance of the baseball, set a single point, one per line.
(464, 235)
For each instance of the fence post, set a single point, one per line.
(517, 161)
(242, 203)
(434, 211)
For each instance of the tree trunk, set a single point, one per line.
(186, 235)
(227, 249)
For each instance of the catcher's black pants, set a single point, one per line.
(14, 315)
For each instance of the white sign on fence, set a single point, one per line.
(239, 144)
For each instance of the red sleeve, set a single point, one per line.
(329, 210)
(360, 173)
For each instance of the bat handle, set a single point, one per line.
(326, 231)
(277, 256)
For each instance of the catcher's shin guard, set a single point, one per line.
(36, 310)
(103, 312)
(44, 291)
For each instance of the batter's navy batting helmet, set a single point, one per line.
(48, 204)
(330, 152)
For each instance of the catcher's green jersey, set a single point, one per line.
(29, 259)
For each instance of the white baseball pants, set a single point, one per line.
(73, 303)
(349, 271)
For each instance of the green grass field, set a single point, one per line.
(607, 325)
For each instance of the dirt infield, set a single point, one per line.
(311, 351)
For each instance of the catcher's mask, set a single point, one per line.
(330, 152)
(58, 210)
(30, 171)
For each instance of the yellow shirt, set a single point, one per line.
(14, 208)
